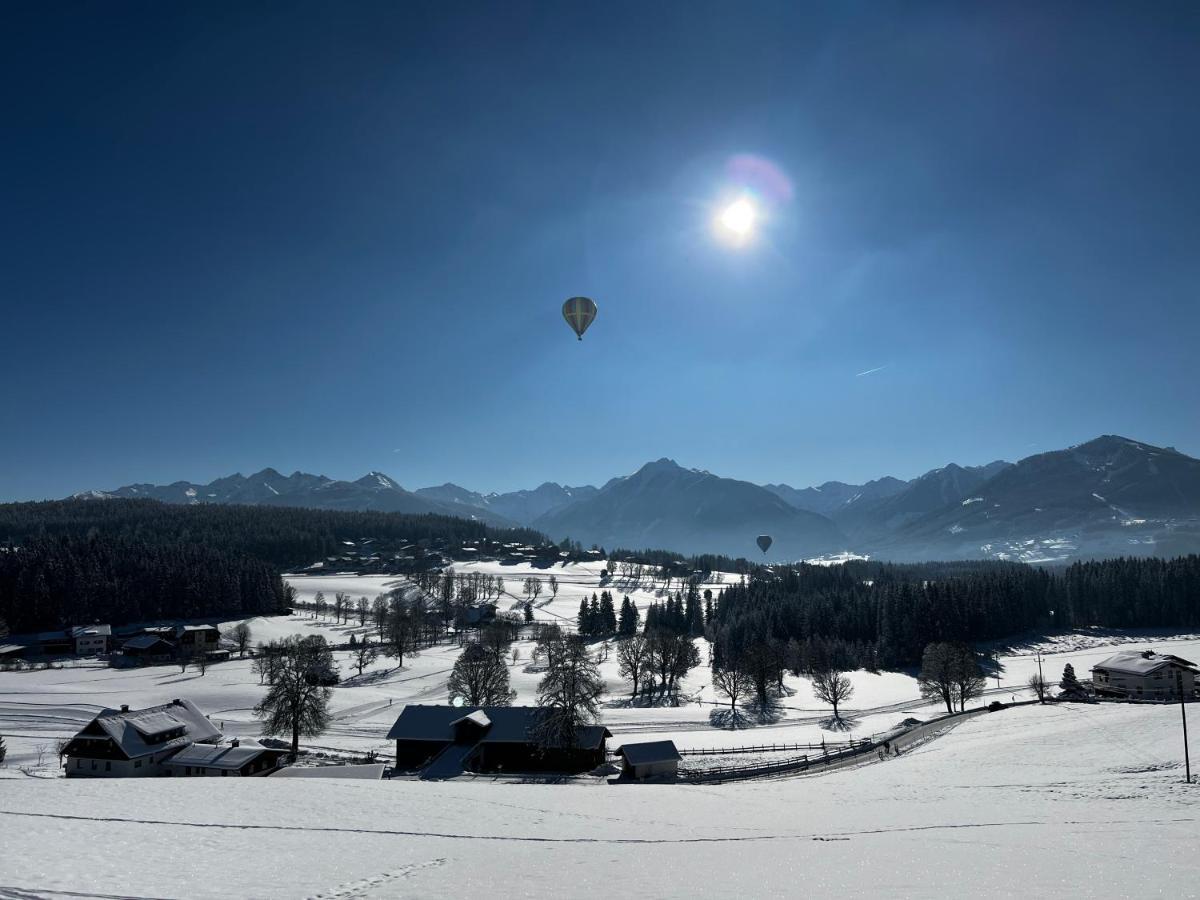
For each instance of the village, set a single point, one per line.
(404, 721)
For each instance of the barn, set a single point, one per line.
(445, 741)
(649, 759)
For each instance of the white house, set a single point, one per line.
(91, 640)
(134, 743)
(1144, 675)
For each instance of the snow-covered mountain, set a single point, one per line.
(1110, 496)
(374, 491)
(666, 506)
(833, 496)
(522, 507)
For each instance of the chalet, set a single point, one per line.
(195, 639)
(240, 757)
(1144, 675)
(92, 640)
(649, 759)
(444, 741)
(144, 650)
(135, 743)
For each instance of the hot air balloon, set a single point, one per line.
(579, 312)
(764, 543)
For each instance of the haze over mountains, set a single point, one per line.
(1110, 496)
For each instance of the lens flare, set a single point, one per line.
(736, 220)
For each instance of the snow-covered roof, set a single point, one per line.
(509, 724)
(179, 629)
(130, 729)
(226, 756)
(144, 642)
(369, 771)
(96, 630)
(1141, 662)
(6, 649)
(648, 752)
(479, 717)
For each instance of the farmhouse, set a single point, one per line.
(194, 639)
(241, 757)
(134, 743)
(446, 740)
(144, 650)
(1144, 675)
(92, 640)
(649, 759)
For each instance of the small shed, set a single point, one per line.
(649, 759)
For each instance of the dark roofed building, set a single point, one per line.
(144, 650)
(125, 742)
(649, 759)
(445, 740)
(241, 757)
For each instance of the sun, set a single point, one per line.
(737, 220)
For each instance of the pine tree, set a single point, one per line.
(1070, 684)
(608, 616)
(585, 617)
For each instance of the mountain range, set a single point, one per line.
(1109, 496)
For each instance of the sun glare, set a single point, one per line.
(736, 221)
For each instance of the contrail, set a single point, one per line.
(870, 371)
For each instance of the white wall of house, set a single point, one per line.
(90, 644)
(82, 767)
(1159, 685)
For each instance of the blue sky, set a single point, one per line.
(336, 237)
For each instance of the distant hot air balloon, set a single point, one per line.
(764, 543)
(579, 312)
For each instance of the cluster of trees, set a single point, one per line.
(598, 618)
(54, 581)
(878, 615)
(950, 672)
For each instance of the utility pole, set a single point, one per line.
(1042, 679)
(1187, 762)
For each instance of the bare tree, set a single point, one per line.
(363, 609)
(732, 683)
(379, 612)
(240, 635)
(633, 657)
(553, 586)
(832, 687)
(363, 655)
(1039, 686)
(570, 690)
(532, 588)
(294, 703)
(937, 676)
(480, 678)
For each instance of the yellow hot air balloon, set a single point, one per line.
(579, 312)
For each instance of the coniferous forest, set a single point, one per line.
(878, 615)
(76, 562)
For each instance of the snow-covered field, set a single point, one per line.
(38, 708)
(1066, 801)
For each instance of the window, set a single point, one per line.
(107, 766)
(93, 765)
(137, 764)
(79, 763)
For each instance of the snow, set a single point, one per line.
(271, 489)
(1037, 801)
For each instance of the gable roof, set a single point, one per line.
(648, 752)
(227, 756)
(129, 729)
(145, 642)
(509, 724)
(1141, 662)
(368, 771)
(91, 630)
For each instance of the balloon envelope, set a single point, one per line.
(579, 312)
(764, 542)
